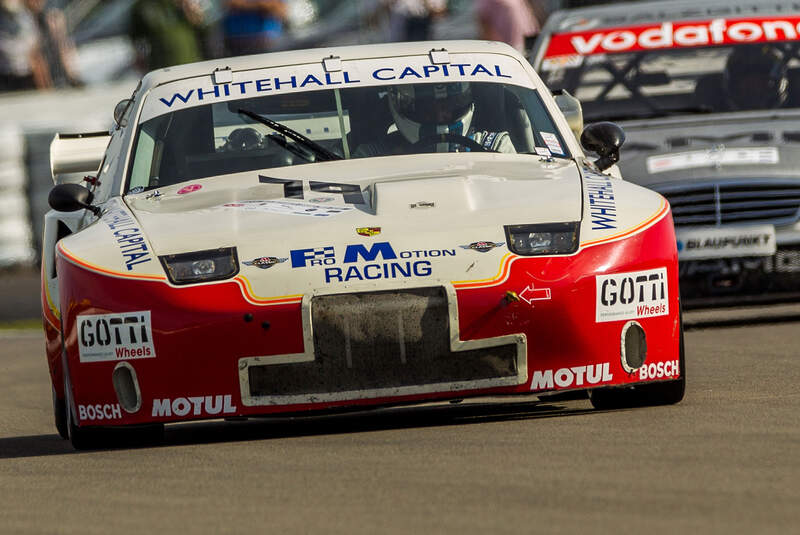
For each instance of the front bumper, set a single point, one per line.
(219, 351)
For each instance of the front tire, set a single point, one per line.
(92, 438)
(60, 415)
(80, 437)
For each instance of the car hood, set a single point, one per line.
(432, 219)
(322, 202)
(710, 147)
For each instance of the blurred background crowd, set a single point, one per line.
(68, 43)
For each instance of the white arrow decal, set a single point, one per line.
(530, 294)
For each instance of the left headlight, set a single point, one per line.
(201, 266)
(546, 239)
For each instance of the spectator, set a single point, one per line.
(57, 48)
(22, 65)
(510, 21)
(166, 32)
(411, 20)
(251, 26)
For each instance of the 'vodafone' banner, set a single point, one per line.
(675, 35)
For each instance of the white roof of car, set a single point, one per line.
(315, 55)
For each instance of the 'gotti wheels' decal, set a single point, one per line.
(109, 337)
(628, 296)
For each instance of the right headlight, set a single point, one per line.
(545, 239)
(201, 266)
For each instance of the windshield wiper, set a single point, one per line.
(321, 152)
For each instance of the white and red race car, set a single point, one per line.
(350, 227)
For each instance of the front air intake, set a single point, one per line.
(126, 385)
(633, 348)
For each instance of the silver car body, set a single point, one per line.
(731, 176)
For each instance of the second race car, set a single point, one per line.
(707, 92)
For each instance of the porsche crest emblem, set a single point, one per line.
(368, 231)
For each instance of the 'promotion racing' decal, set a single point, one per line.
(110, 337)
(628, 296)
(386, 263)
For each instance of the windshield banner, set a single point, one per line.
(201, 90)
(674, 35)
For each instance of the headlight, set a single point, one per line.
(201, 266)
(547, 239)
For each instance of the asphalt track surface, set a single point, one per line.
(725, 460)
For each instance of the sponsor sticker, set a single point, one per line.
(128, 236)
(717, 157)
(551, 140)
(199, 90)
(384, 261)
(593, 374)
(718, 31)
(264, 262)
(294, 208)
(193, 405)
(422, 204)
(659, 370)
(725, 242)
(633, 295)
(602, 202)
(482, 246)
(189, 189)
(113, 337)
(99, 411)
(544, 152)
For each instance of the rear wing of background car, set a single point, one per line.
(76, 153)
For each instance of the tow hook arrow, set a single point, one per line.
(530, 294)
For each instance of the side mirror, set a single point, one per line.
(72, 197)
(605, 139)
(120, 111)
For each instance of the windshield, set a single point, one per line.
(643, 72)
(296, 128)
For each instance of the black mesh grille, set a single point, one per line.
(775, 202)
(379, 340)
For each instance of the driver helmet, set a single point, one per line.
(243, 139)
(421, 110)
(755, 78)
